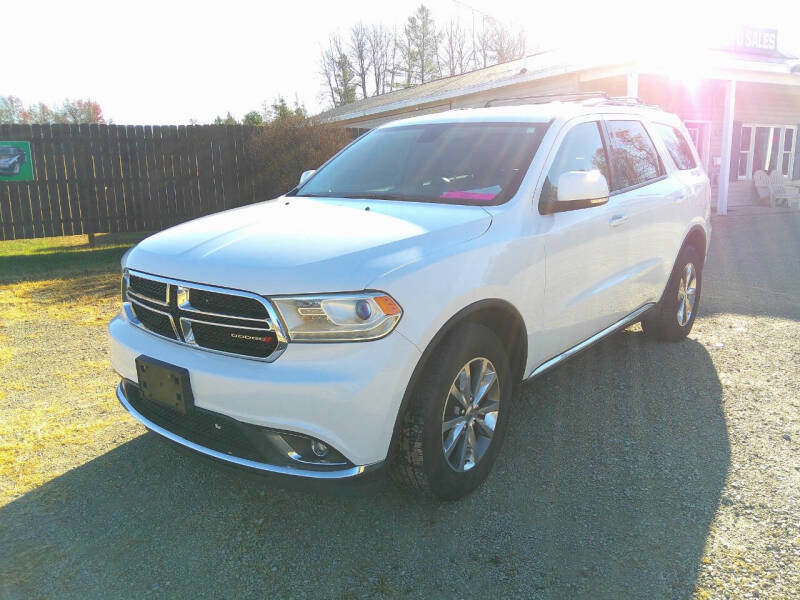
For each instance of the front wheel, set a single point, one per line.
(458, 415)
(672, 320)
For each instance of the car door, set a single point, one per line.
(649, 200)
(586, 249)
(687, 171)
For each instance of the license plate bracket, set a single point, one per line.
(164, 384)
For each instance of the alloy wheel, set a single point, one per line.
(687, 294)
(470, 414)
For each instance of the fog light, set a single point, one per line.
(319, 448)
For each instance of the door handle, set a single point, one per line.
(617, 220)
(680, 198)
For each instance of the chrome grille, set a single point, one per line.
(216, 319)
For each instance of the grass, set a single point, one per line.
(56, 296)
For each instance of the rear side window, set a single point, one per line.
(634, 160)
(581, 150)
(677, 146)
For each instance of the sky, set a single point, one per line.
(168, 62)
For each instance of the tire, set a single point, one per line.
(668, 321)
(419, 460)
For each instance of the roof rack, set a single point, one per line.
(588, 98)
(545, 98)
(623, 101)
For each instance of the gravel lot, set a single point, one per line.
(637, 470)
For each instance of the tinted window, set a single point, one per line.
(634, 159)
(581, 150)
(458, 163)
(677, 146)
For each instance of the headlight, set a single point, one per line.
(339, 317)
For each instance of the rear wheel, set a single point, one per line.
(458, 415)
(673, 318)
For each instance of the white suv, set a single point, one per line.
(384, 312)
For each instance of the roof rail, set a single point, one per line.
(588, 98)
(545, 98)
(622, 101)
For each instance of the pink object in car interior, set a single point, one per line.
(467, 195)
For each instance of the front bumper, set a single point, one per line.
(298, 471)
(346, 395)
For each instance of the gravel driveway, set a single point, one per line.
(636, 470)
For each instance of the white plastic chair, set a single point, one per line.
(779, 191)
(761, 181)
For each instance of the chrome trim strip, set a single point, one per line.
(243, 462)
(274, 320)
(191, 309)
(134, 300)
(228, 325)
(143, 298)
(549, 364)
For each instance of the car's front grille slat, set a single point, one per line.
(221, 320)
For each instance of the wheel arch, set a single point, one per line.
(697, 238)
(496, 314)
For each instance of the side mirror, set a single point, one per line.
(306, 175)
(580, 189)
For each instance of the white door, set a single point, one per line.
(586, 249)
(654, 201)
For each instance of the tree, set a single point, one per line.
(253, 118)
(423, 41)
(338, 72)
(381, 55)
(228, 120)
(482, 49)
(407, 59)
(40, 114)
(455, 53)
(81, 112)
(360, 56)
(505, 44)
(11, 110)
(280, 111)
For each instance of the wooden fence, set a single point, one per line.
(92, 178)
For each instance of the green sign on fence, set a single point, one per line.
(15, 161)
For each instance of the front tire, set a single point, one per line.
(458, 415)
(673, 318)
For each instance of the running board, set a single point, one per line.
(631, 318)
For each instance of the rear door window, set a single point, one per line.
(633, 157)
(677, 146)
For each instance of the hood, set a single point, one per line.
(294, 245)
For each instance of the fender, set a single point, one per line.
(449, 325)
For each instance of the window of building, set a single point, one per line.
(766, 148)
(581, 150)
(677, 146)
(634, 160)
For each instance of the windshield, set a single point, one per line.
(456, 163)
(7, 150)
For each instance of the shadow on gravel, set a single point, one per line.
(753, 266)
(606, 488)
